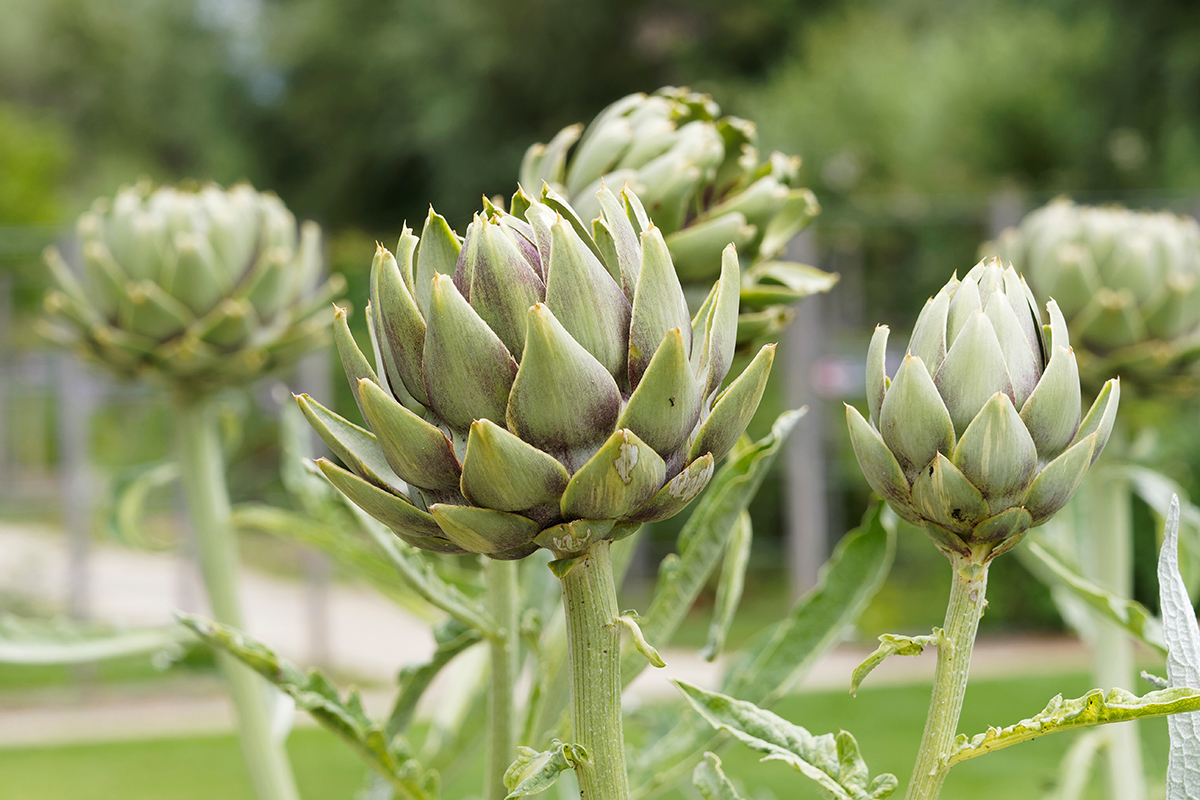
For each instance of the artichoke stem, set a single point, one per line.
(594, 644)
(966, 605)
(504, 597)
(1108, 538)
(202, 469)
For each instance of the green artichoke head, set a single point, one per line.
(537, 383)
(1128, 284)
(200, 288)
(700, 177)
(979, 436)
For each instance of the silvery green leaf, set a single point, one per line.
(1183, 664)
(729, 589)
(891, 644)
(534, 771)
(60, 642)
(1129, 614)
(314, 693)
(711, 782)
(1094, 708)
(833, 762)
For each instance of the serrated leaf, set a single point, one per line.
(729, 588)
(784, 653)
(1183, 663)
(314, 693)
(535, 772)
(1094, 708)
(833, 762)
(452, 637)
(891, 644)
(29, 642)
(1129, 614)
(711, 782)
(705, 535)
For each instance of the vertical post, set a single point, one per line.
(313, 375)
(804, 501)
(75, 397)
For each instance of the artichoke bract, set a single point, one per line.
(535, 385)
(979, 436)
(700, 178)
(199, 288)
(1128, 284)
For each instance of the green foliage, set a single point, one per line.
(534, 772)
(833, 762)
(314, 693)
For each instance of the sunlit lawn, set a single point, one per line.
(887, 723)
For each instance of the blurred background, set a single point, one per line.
(926, 126)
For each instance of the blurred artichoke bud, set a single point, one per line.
(1128, 284)
(535, 385)
(979, 436)
(200, 289)
(701, 181)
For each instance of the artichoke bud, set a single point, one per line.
(704, 184)
(979, 435)
(200, 289)
(1126, 284)
(551, 391)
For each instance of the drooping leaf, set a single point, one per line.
(62, 642)
(729, 589)
(711, 782)
(131, 494)
(833, 762)
(314, 693)
(704, 537)
(891, 644)
(1183, 664)
(1094, 708)
(1129, 614)
(535, 772)
(630, 620)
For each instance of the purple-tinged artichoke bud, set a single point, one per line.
(199, 289)
(703, 185)
(1128, 284)
(536, 384)
(979, 436)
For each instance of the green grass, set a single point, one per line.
(886, 721)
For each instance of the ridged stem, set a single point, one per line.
(1109, 563)
(202, 469)
(967, 601)
(504, 596)
(594, 646)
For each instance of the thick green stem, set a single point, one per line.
(966, 606)
(202, 470)
(504, 597)
(1108, 538)
(594, 644)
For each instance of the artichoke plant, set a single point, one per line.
(700, 178)
(200, 288)
(534, 385)
(1128, 284)
(979, 436)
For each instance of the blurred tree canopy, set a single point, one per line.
(360, 113)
